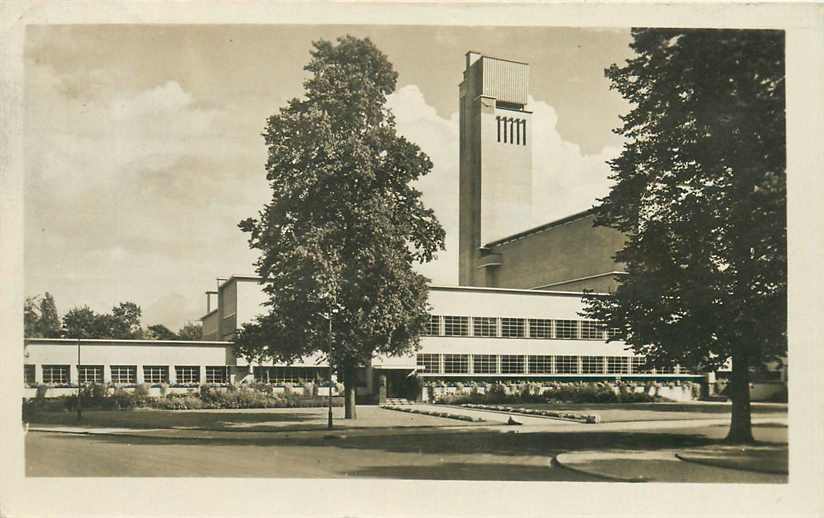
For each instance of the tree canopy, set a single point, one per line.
(122, 323)
(345, 224)
(699, 191)
(40, 318)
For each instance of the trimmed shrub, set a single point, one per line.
(41, 391)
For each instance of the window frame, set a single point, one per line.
(452, 323)
(489, 363)
(48, 371)
(513, 327)
(488, 327)
(450, 360)
(116, 372)
(510, 360)
(149, 371)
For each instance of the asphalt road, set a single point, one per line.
(413, 454)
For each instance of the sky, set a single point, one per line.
(143, 147)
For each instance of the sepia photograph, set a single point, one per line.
(405, 252)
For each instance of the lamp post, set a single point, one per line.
(79, 390)
(329, 361)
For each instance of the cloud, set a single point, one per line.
(564, 179)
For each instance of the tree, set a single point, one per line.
(31, 318)
(125, 321)
(700, 194)
(81, 323)
(190, 331)
(49, 322)
(160, 332)
(344, 225)
(122, 323)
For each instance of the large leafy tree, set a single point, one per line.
(122, 323)
(190, 331)
(700, 193)
(344, 226)
(49, 322)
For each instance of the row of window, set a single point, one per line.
(290, 374)
(433, 363)
(125, 374)
(504, 327)
(511, 130)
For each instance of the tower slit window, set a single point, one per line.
(498, 120)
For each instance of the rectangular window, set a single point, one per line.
(592, 330)
(28, 374)
(156, 374)
(498, 120)
(429, 363)
(517, 131)
(524, 131)
(56, 374)
(540, 364)
(286, 374)
(639, 365)
(592, 364)
(512, 364)
(433, 327)
(124, 374)
(540, 328)
(617, 365)
(485, 364)
(512, 327)
(566, 365)
(90, 373)
(613, 333)
(187, 375)
(455, 363)
(217, 375)
(665, 370)
(485, 326)
(566, 329)
(455, 326)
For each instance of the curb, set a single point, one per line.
(610, 478)
(713, 464)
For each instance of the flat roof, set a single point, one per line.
(521, 291)
(118, 341)
(540, 228)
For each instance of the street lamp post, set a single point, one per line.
(79, 389)
(329, 361)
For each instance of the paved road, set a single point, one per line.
(480, 453)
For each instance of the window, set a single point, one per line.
(512, 327)
(485, 364)
(540, 364)
(455, 363)
(613, 333)
(156, 374)
(512, 364)
(433, 327)
(429, 363)
(215, 375)
(90, 373)
(566, 365)
(665, 370)
(524, 139)
(28, 374)
(485, 326)
(566, 329)
(456, 326)
(617, 365)
(540, 328)
(285, 374)
(639, 365)
(56, 374)
(124, 374)
(187, 375)
(592, 330)
(592, 364)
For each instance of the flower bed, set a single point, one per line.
(433, 413)
(105, 397)
(585, 418)
(560, 391)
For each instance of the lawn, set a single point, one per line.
(629, 412)
(255, 420)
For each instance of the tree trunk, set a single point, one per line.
(350, 410)
(741, 423)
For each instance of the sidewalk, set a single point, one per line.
(751, 464)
